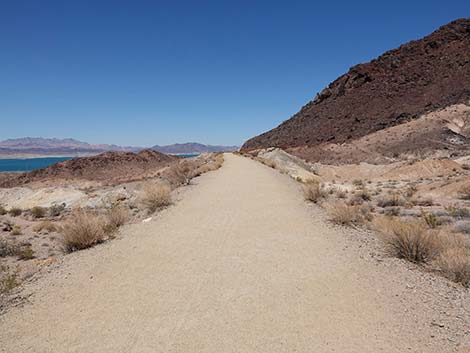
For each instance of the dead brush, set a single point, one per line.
(116, 217)
(82, 230)
(155, 196)
(343, 214)
(45, 225)
(182, 173)
(313, 191)
(411, 241)
(454, 263)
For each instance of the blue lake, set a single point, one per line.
(26, 164)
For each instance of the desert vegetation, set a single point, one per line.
(155, 196)
(414, 219)
(32, 235)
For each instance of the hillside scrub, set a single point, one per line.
(155, 196)
(408, 240)
(313, 191)
(342, 214)
(82, 230)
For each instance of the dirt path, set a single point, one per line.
(240, 264)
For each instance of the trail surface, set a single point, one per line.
(239, 264)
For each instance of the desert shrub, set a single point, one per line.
(340, 194)
(458, 212)
(363, 193)
(116, 217)
(16, 230)
(56, 209)
(464, 192)
(47, 225)
(156, 196)
(454, 264)
(427, 201)
(462, 227)
(182, 173)
(26, 253)
(83, 230)
(8, 281)
(15, 211)
(390, 200)
(314, 192)
(358, 183)
(430, 219)
(3, 211)
(7, 249)
(38, 212)
(409, 240)
(343, 214)
(392, 211)
(410, 191)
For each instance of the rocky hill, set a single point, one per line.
(399, 87)
(108, 168)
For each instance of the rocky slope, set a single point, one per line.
(400, 86)
(108, 167)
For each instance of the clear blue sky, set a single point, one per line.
(158, 72)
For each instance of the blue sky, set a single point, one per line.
(157, 72)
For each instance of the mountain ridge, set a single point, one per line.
(72, 147)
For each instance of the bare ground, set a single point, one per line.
(240, 264)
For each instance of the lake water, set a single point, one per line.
(26, 164)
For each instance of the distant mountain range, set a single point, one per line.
(192, 147)
(38, 146)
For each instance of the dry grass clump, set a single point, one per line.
(182, 173)
(83, 230)
(391, 200)
(7, 249)
(313, 191)
(430, 219)
(15, 211)
(454, 264)
(8, 280)
(38, 212)
(210, 165)
(16, 230)
(116, 217)
(45, 225)
(409, 240)
(156, 196)
(343, 214)
(26, 253)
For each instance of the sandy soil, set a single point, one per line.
(240, 264)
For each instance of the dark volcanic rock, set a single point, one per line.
(400, 85)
